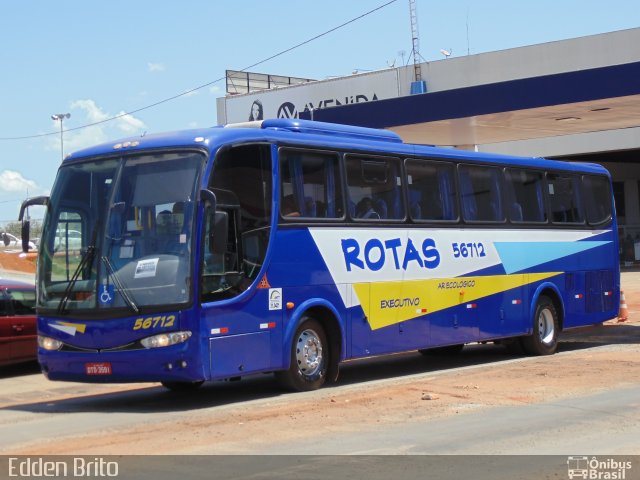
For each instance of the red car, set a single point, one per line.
(18, 336)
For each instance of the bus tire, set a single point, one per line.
(544, 338)
(443, 351)
(309, 358)
(182, 386)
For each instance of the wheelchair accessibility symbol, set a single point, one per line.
(106, 294)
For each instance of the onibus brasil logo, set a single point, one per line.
(594, 468)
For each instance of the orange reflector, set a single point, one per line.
(290, 305)
(264, 283)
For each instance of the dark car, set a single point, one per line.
(17, 322)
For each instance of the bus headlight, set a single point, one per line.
(165, 339)
(48, 343)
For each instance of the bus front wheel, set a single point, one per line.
(544, 339)
(309, 358)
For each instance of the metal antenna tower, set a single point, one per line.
(415, 40)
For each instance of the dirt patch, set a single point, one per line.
(245, 427)
(17, 261)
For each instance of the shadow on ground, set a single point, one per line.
(263, 386)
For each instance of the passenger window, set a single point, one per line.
(564, 200)
(597, 195)
(311, 186)
(525, 196)
(375, 188)
(480, 193)
(432, 190)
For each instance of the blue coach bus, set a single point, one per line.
(290, 246)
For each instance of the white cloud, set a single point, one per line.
(86, 112)
(129, 123)
(156, 67)
(93, 112)
(215, 89)
(12, 181)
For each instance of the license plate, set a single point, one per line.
(101, 368)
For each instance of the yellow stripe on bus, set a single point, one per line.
(80, 327)
(388, 303)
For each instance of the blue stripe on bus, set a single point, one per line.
(519, 256)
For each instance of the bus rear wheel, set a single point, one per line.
(309, 358)
(544, 339)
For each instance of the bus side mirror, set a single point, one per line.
(26, 226)
(209, 199)
(42, 200)
(218, 233)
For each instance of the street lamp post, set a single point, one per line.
(60, 117)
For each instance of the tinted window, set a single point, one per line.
(236, 236)
(432, 190)
(480, 193)
(374, 188)
(525, 196)
(24, 301)
(597, 195)
(564, 198)
(5, 307)
(310, 186)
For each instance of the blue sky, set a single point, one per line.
(96, 60)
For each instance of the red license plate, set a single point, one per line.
(98, 368)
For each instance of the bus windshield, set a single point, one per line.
(118, 233)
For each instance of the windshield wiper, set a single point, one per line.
(86, 259)
(124, 291)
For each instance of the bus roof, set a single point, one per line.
(316, 134)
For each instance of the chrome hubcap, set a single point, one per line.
(309, 352)
(546, 327)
